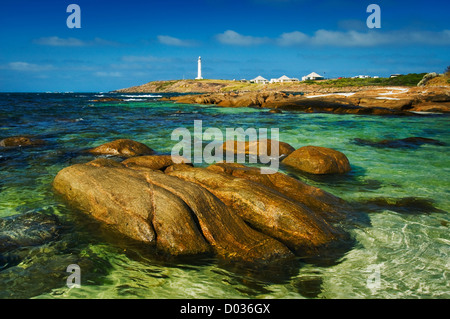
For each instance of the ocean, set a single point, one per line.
(401, 237)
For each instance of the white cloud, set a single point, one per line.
(72, 42)
(60, 42)
(108, 74)
(349, 38)
(168, 40)
(233, 38)
(26, 67)
(428, 37)
(292, 38)
(146, 58)
(369, 38)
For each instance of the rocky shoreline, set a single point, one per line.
(374, 101)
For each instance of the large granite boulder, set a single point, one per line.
(318, 160)
(122, 147)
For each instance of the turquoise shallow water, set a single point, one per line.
(407, 246)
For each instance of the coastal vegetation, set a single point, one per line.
(410, 79)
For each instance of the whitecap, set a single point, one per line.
(425, 113)
(144, 95)
(331, 94)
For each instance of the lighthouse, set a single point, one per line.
(199, 75)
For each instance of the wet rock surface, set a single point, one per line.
(318, 160)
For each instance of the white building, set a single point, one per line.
(312, 76)
(199, 74)
(259, 80)
(282, 79)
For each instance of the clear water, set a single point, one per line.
(409, 248)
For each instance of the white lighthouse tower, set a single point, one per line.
(199, 75)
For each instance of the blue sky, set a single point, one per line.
(126, 43)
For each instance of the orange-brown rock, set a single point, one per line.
(320, 202)
(122, 147)
(102, 189)
(267, 210)
(257, 147)
(318, 160)
(155, 162)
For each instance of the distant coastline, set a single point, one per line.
(321, 86)
(409, 94)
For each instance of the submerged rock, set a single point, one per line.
(405, 205)
(409, 142)
(19, 141)
(108, 99)
(275, 111)
(27, 229)
(318, 160)
(122, 147)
